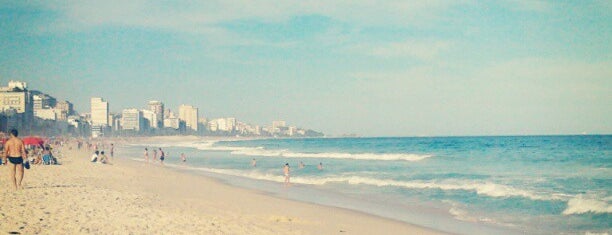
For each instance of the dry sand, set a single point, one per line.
(127, 197)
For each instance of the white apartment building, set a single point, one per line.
(131, 119)
(152, 117)
(189, 115)
(157, 107)
(46, 114)
(277, 125)
(99, 112)
(172, 122)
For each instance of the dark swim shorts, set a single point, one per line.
(161, 158)
(15, 160)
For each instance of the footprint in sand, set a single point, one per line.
(281, 219)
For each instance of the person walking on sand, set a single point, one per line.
(15, 153)
(162, 156)
(286, 171)
(146, 155)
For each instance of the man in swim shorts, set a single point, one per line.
(162, 156)
(15, 153)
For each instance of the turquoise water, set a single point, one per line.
(533, 184)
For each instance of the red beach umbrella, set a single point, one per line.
(31, 140)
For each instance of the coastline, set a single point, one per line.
(131, 197)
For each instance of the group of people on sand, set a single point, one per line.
(17, 155)
(287, 169)
(99, 155)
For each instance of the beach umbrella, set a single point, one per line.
(32, 140)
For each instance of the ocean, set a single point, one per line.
(466, 185)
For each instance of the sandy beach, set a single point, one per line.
(128, 197)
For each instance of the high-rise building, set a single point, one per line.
(213, 125)
(43, 101)
(16, 101)
(189, 115)
(168, 114)
(99, 112)
(172, 122)
(278, 124)
(64, 109)
(226, 124)
(157, 107)
(151, 118)
(131, 119)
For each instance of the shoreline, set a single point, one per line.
(83, 197)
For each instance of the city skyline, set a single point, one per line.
(388, 69)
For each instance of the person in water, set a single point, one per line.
(162, 156)
(183, 158)
(286, 171)
(320, 166)
(254, 163)
(15, 153)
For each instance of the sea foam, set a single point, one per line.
(584, 204)
(481, 188)
(261, 151)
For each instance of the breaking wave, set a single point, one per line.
(261, 151)
(481, 188)
(582, 204)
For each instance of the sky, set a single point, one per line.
(372, 68)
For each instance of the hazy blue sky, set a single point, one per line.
(379, 68)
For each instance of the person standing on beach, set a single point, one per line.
(112, 151)
(146, 155)
(161, 156)
(286, 171)
(14, 151)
